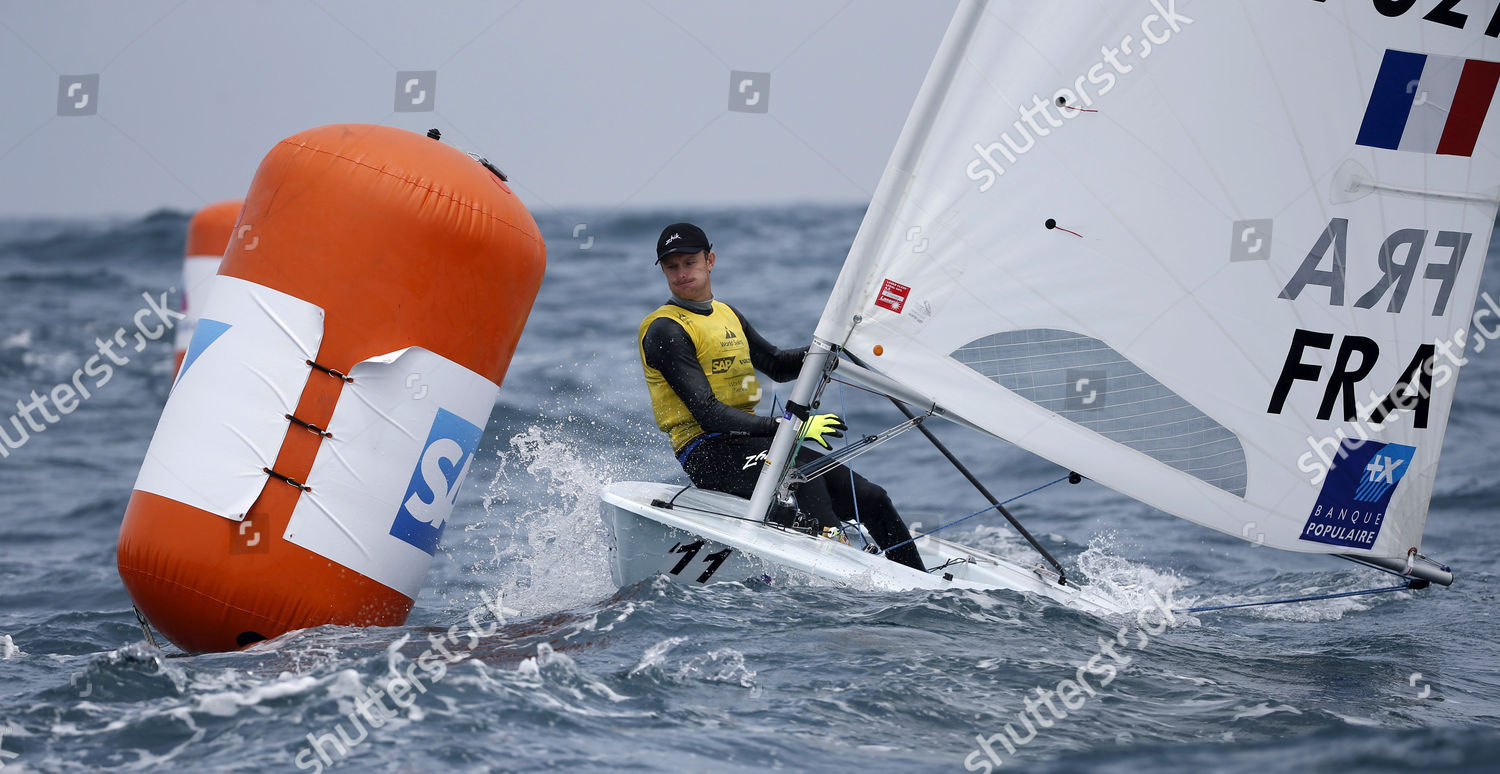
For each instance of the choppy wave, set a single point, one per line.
(577, 674)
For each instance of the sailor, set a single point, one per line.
(700, 357)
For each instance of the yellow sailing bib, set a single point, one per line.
(724, 355)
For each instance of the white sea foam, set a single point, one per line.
(1101, 568)
(564, 679)
(1264, 708)
(723, 665)
(656, 654)
(1129, 584)
(18, 340)
(228, 703)
(554, 554)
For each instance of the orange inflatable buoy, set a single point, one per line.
(334, 391)
(208, 235)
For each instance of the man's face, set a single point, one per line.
(687, 274)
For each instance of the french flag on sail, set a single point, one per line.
(1428, 103)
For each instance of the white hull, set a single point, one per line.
(704, 538)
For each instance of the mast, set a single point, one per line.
(778, 460)
(872, 234)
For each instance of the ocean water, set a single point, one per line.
(583, 676)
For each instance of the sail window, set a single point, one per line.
(1086, 382)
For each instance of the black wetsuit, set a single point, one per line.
(728, 456)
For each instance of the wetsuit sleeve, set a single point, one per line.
(669, 349)
(779, 364)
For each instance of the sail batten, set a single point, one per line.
(1193, 270)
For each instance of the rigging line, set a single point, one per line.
(1061, 579)
(853, 495)
(859, 387)
(145, 627)
(710, 512)
(1062, 574)
(823, 464)
(950, 563)
(817, 393)
(1311, 598)
(675, 496)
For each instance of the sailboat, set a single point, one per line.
(1218, 258)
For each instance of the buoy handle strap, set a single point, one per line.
(308, 425)
(288, 479)
(331, 372)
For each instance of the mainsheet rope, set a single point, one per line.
(976, 513)
(1410, 584)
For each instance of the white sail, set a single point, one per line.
(1246, 218)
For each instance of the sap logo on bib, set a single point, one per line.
(1351, 508)
(434, 484)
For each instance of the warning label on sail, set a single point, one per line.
(892, 296)
(1351, 507)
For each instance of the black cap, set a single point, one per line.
(681, 238)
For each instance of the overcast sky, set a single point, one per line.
(584, 103)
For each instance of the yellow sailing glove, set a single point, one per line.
(821, 426)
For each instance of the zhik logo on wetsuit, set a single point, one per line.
(1352, 505)
(435, 482)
